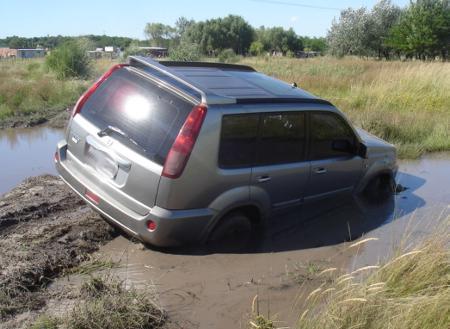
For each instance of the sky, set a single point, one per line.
(128, 17)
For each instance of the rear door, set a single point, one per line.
(280, 167)
(332, 171)
(122, 136)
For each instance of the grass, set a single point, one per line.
(410, 290)
(406, 103)
(93, 264)
(105, 303)
(28, 91)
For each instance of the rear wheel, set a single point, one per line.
(232, 233)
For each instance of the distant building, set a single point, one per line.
(30, 53)
(98, 53)
(155, 51)
(307, 54)
(8, 53)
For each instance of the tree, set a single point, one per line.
(279, 39)
(217, 34)
(159, 34)
(383, 17)
(182, 24)
(351, 33)
(256, 48)
(423, 30)
(315, 44)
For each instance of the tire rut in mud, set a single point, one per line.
(45, 229)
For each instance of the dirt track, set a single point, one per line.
(44, 230)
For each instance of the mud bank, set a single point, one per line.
(45, 229)
(56, 118)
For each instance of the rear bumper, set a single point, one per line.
(173, 227)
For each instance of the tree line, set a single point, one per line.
(420, 30)
(95, 41)
(213, 36)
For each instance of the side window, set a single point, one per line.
(329, 134)
(281, 138)
(238, 140)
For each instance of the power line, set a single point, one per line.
(284, 3)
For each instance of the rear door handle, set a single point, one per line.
(265, 178)
(320, 170)
(121, 162)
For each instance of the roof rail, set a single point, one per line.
(149, 62)
(209, 64)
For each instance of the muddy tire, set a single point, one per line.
(232, 233)
(380, 187)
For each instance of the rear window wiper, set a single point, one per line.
(112, 129)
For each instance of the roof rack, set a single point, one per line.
(233, 84)
(149, 62)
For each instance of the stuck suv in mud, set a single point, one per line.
(176, 152)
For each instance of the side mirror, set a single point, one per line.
(362, 150)
(342, 145)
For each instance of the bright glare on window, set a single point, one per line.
(137, 107)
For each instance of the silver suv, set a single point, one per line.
(177, 152)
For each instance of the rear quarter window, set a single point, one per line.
(150, 116)
(238, 140)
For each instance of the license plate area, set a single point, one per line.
(101, 162)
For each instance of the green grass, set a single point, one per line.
(406, 103)
(28, 90)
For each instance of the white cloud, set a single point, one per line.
(294, 19)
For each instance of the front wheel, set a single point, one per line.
(380, 187)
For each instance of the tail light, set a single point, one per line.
(184, 143)
(90, 91)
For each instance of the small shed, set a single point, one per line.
(30, 53)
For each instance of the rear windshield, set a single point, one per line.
(147, 116)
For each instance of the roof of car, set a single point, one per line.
(218, 83)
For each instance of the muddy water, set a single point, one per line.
(215, 290)
(26, 152)
(201, 289)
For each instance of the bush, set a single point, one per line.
(256, 48)
(69, 60)
(185, 52)
(228, 56)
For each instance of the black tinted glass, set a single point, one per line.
(151, 117)
(326, 129)
(282, 138)
(238, 140)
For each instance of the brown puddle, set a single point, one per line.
(204, 290)
(201, 289)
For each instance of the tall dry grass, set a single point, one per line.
(406, 103)
(27, 88)
(411, 290)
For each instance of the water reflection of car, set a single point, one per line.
(175, 152)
